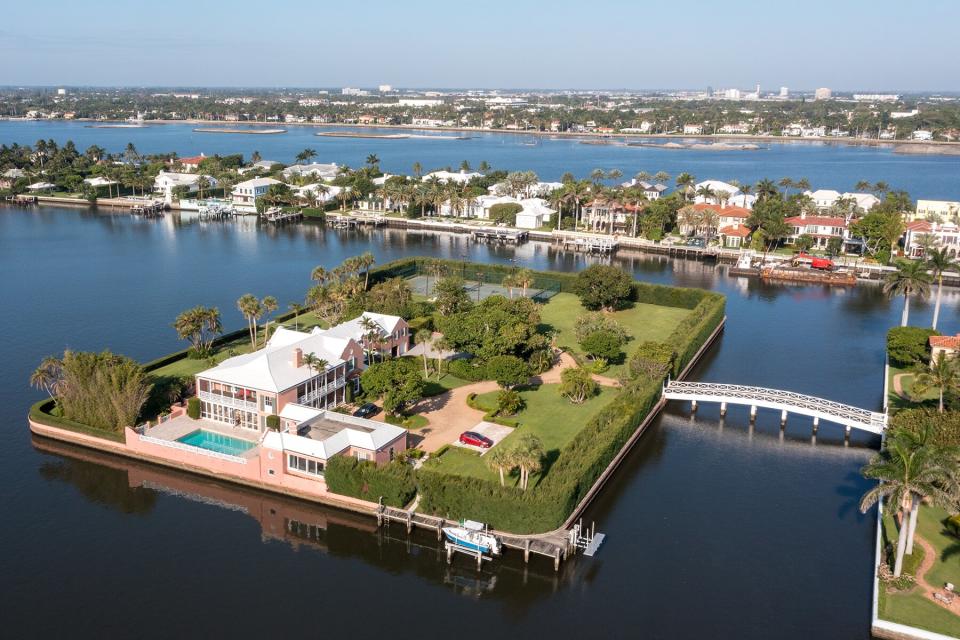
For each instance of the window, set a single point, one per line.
(305, 465)
(363, 455)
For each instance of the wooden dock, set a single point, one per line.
(355, 221)
(148, 209)
(497, 234)
(22, 201)
(590, 244)
(555, 545)
(279, 216)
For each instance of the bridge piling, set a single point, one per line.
(753, 412)
(723, 409)
(783, 418)
(693, 406)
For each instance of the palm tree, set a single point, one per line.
(316, 365)
(939, 261)
(642, 176)
(863, 185)
(424, 337)
(319, 275)
(297, 309)
(510, 282)
(685, 182)
(269, 304)
(524, 279)
(706, 192)
(305, 155)
(417, 169)
(910, 467)
(577, 191)
(528, 455)
(366, 260)
(502, 460)
(252, 309)
(598, 176)
(786, 183)
(373, 161)
(941, 375)
(910, 278)
(661, 177)
(557, 198)
(48, 376)
(765, 189)
(203, 183)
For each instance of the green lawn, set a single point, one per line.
(642, 322)
(911, 607)
(548, 415)
(896, 402)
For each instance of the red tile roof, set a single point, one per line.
(192, 160)
(919, 225)
(725, 212)
(738, 230)
(945, 342)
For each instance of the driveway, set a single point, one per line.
(449, 415)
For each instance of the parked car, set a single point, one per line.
(367, 410)
(475, 439)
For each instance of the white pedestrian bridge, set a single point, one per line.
(784, 401)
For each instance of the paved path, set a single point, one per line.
(449, 415)
(929, 557)
(566, 361)
(898, 385)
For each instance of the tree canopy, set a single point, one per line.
(602, 286)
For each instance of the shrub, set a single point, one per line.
(540, 360)
(509, 403)
(193, 408)
(468, 369)
(394, 482)
(651, 360)
(945, 426)
(602, 344)
(595, 321)
(505, 212)
(508, 371)
(909, 346)
(273, 422)
(576, 385)
(398, 381)
(953, 525)
(602, 286)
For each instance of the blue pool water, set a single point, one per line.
(216, 442)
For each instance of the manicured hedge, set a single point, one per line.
(40, 412)
(465, 369)
(193, 408)
(546, 504)
(909, 346)
(394, 482)
(692, 332)
(945, 426)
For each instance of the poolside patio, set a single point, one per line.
(175, 428)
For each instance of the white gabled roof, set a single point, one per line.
(256, 182)
(300, 412)
(353, 329)
(272, 368)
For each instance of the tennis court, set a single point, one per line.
(479, 289)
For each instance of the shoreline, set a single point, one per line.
(939, 145)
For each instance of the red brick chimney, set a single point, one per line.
(297, 358)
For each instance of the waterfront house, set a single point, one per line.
(948, 345)
(261, 165)
(693, 219)
(376, 333)
(166, 182)
(936, 211)
(651, 191)
(821, 228)
(245, 193)
(534, 215)
(243, 390)
(920, 235)
(825, 199)
(603, 214)
(461, 177)
(723, 192)
(734, 236)
(10, 176)
(189, 165)
(323, 172)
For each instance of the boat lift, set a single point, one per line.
(588, 540)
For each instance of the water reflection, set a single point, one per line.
(133, 487)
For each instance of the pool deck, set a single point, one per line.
(176, 428)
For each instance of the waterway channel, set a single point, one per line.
(715, 529)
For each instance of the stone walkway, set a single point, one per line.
(566, 361)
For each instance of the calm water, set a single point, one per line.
(714, 529)
(829, 166)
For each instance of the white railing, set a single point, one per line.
(174, 444)
(776, 399)
(228, 401)
(322, 391)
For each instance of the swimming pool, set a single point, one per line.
(217, 442)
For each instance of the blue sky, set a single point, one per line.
(842, 44)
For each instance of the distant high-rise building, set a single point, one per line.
(784, 92)
(732, 94)
(61, 92)
(385, 88)
(822, 93)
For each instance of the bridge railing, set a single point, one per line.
(743, 393)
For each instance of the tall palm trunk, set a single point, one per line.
(906, 310)
(912, 527)
(936, 306)
(901, 542)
